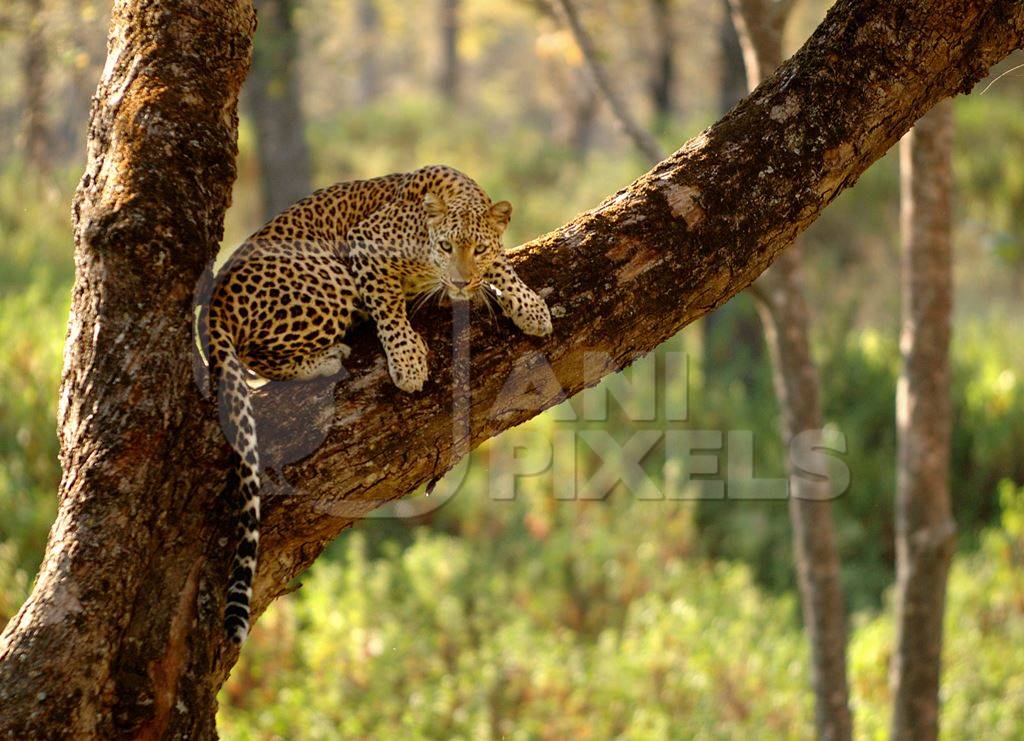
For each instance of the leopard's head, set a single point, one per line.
(465, 239)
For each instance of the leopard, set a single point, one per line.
(282, 304)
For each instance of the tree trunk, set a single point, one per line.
(732, 83)
(369, 40)
(736, 325)
(925, 530)
(35, 137)
(783, 309)
(664, 67)
(584, 120)
(450, 77)
(122, 632)
(121, 635)
(782, 305)
(273, 99)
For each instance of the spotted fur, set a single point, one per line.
(282, 304)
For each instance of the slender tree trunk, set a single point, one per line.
(641, 137)
(782, 305)
(450, 78)
(274, 102)
(732, 83)
(584, 120)
(925, 530)
(35, 135)
(369, 39)
(122, 632)
(783, 309)
(664, 67)
(733, 330)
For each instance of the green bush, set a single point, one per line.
(438, 640)
(435, 642)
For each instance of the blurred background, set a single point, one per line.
(535, 616)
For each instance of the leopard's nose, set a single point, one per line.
(460, 283)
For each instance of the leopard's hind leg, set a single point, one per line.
(322, 364)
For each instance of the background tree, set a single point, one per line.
(732, 85)
(449, 79)
(782, 305)
(663, 69)
(368, 15)
(925, 530)
(275, 104)
(33, 74)
(733, 330)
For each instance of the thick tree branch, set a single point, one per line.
(627, 275)
(121, 633)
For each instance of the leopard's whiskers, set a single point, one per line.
(431, 290)
(489, 302)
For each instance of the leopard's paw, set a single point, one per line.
(534, 318)
(407, 364)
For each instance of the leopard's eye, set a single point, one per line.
(445, 245)
(479, 249)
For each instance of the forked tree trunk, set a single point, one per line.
(121, 635)
(782, 304)
(925, 530)
(273, 99)
(122, 632)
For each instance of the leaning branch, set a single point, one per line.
(628, 274)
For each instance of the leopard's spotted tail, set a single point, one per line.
(227, 379)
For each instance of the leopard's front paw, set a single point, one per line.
(407, 363)
(534, 318)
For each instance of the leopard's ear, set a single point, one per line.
(434, 207)
(501, 213)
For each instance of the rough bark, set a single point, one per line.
(273, 100)
(121, 634)
(782, 305)
(925, 530)
(450, 78)
(35, 135)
